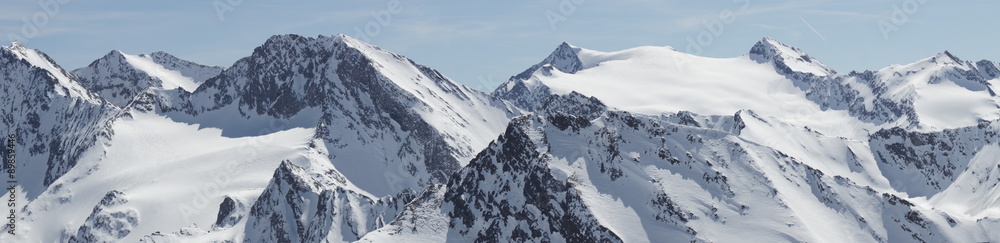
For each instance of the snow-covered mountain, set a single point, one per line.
(329, 139)
(388, 123)
(119, 77)
(53, 117)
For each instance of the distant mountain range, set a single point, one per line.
(330, 139)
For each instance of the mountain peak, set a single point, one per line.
(112, 56)
(344, 38)
(16, 44)
(321, 42)
(174, 62)
(115, 53)
(769, 40)
(567, 46)
(118, 76)
(161, 55)
(284, 37)
(564, 58)
(64, 84)
(787, 59)
(17, 48)
(946, 57)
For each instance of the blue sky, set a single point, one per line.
(482, 43)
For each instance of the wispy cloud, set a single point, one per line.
(427, 30)
(843, 14)
(767, 26)
(695, 22)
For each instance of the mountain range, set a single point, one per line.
(330, 139)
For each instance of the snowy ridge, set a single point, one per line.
(787, 59)
(945, 91)
(65, 85)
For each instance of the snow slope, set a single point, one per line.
(171, 79)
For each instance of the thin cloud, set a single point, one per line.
(767, 26)
(695, 22)
(843, 14)
(441, 31)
